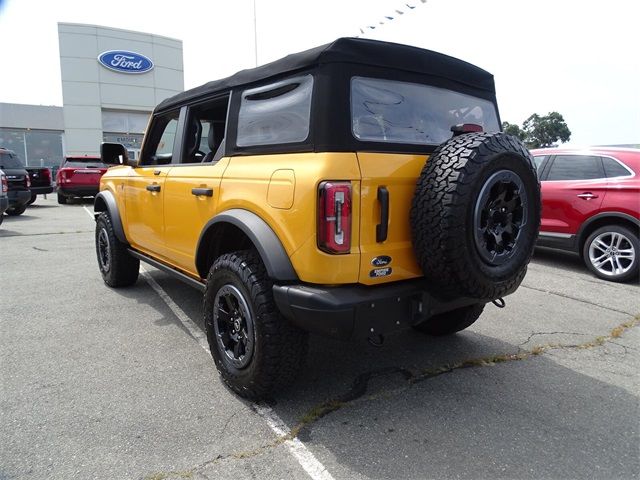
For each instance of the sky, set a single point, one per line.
(577, 57)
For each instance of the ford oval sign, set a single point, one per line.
(125, 62)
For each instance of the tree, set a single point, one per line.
(539, 132)
(513, 130)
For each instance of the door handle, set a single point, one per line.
(153, 188)
(587, 195)
(202, 192)
(157, 172)
(382, 229)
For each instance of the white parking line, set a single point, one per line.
(88, 211)
(306, 459)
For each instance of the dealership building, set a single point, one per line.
(111, 81)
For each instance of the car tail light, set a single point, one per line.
(27, 181)
(334, 217)
(46, 174)
(5, 183)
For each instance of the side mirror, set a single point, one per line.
(114, 154)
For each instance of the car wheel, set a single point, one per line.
(14, 212)
(32, 199)
(1, 218)
(118, 268)
(62, 200)
(451, 322)
(475, 215)
(254, 348)
(612, 253)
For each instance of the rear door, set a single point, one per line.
(193, 185)
(572, 191)
(387, 187)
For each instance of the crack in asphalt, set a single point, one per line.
(549, 333)
(578, 299)
(357, 392)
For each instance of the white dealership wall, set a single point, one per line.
(89, 89)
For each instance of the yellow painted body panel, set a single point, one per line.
(186, 214)
(246, 185)
(282, 190)
(399, 174)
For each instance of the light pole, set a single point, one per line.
(255, 33)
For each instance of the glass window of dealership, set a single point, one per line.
(111, 81)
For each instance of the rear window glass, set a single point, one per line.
(84, 163)
(400, 112)
(613, 169)
(538, 159)
(10, 160)
(277, 113)
(576, 167)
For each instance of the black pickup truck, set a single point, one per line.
(41, 181)
(17, 180)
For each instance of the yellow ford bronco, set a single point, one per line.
(352, 190)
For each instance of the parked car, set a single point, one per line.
(41, 181)
(18, 182)
(298, 197)
(591, 206)
(4, 195)
(79, 177)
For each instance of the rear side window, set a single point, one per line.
(576, 167)
(276, 113)
(401, 112)
(613, 169)
(9, 160)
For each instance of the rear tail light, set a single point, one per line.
(46, 174)
(27, 181)
(5, 184)
(334, 217)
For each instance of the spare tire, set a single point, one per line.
(475, 215)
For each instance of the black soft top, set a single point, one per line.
(355, 51)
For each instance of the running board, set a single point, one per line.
(167, 269)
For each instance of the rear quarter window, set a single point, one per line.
(614, 169)
(275, 114)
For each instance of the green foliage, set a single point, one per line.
(539, 132)
(513, 130)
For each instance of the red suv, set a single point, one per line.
(79, 177)
(591, 205)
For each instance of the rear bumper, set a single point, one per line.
(79, 190)
(41, 190)
(358, 311)
(18, 198)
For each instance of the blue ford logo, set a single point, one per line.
(125, 62)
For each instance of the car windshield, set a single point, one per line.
(10, 160)
(84, 163)
(401, 112)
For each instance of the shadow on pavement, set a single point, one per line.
(523, 419)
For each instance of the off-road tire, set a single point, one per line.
(629, 243)
(33, 198)
(448, 196)
(279, 348)
(118, 269)
(14, 212)
(451, 322)
(62, 200)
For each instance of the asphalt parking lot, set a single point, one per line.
(117, 384)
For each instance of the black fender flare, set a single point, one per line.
(106, 202)
(267, 243)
